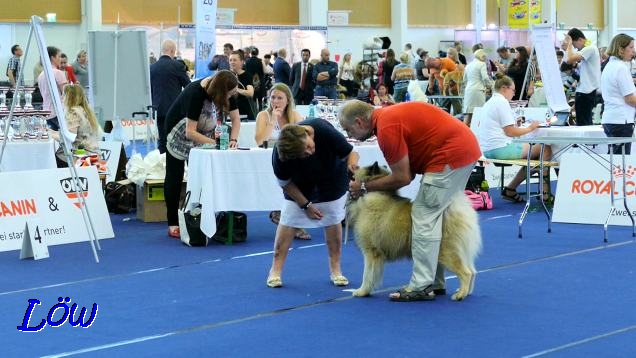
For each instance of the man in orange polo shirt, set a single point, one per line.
(417, 138)
(435, 66)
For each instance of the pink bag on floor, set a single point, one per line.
(480, 200)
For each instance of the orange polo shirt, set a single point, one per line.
(430, 137)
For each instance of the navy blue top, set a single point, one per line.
(167, 78)
(330, 67)
(322, 176)
(281, 71)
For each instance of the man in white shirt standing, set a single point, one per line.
(589, 61)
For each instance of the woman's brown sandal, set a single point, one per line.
(512, 195)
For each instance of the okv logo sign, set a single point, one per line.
(73, 189)
(104, 154)
(53, 318)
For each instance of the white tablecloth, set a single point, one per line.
(243, 180)
(595, 131)
(31, 155)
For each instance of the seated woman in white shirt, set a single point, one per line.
(496, 130)
(279, 112)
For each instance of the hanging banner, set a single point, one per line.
(205, 36)
(519, 11)
(50, 199)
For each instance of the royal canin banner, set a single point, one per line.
(584, 188)
(48, 197)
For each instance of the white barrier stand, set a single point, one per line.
(32, 244)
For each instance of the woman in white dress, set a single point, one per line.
(477, 80)
(269, 122)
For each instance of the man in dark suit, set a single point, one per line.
(302, 89)
(167, 78)
(254, 66)
(281, 67)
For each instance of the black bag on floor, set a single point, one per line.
(477, 177)
(190, 224)
(120, 198)
(239, 227)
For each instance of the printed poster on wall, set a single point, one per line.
(519, 11)
(205, 38)
(48, 198)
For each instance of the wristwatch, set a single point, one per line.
(363, 187)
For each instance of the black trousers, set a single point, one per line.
(583, 105)
(304, 97)
(175, 169)
(161, 133)
(619, 130)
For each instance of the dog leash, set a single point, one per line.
(346, 207)
(349, 199)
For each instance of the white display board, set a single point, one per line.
(47, 197)
(110, 151)
(119, 64)
(583, 190)
(543, 44)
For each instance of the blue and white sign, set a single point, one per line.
(205, 36)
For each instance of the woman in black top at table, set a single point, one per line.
(245, 87)
(190, 121)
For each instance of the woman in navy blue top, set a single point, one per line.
(311, 161)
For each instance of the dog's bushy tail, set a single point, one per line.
(464, 224)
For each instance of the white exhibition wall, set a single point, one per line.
(72, 38)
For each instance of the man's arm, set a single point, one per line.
(322, 76)
(12, 78)
(571, 57)
(400, 176)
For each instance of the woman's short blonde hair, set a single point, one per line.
(291, 142)
(480, 55)
(404, 57)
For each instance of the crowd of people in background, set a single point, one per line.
(267, 89)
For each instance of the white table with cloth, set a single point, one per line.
(28, 155)
(243, 180)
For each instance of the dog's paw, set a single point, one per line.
(459, 296)
(361, 293)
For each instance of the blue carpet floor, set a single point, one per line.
(563, 294)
